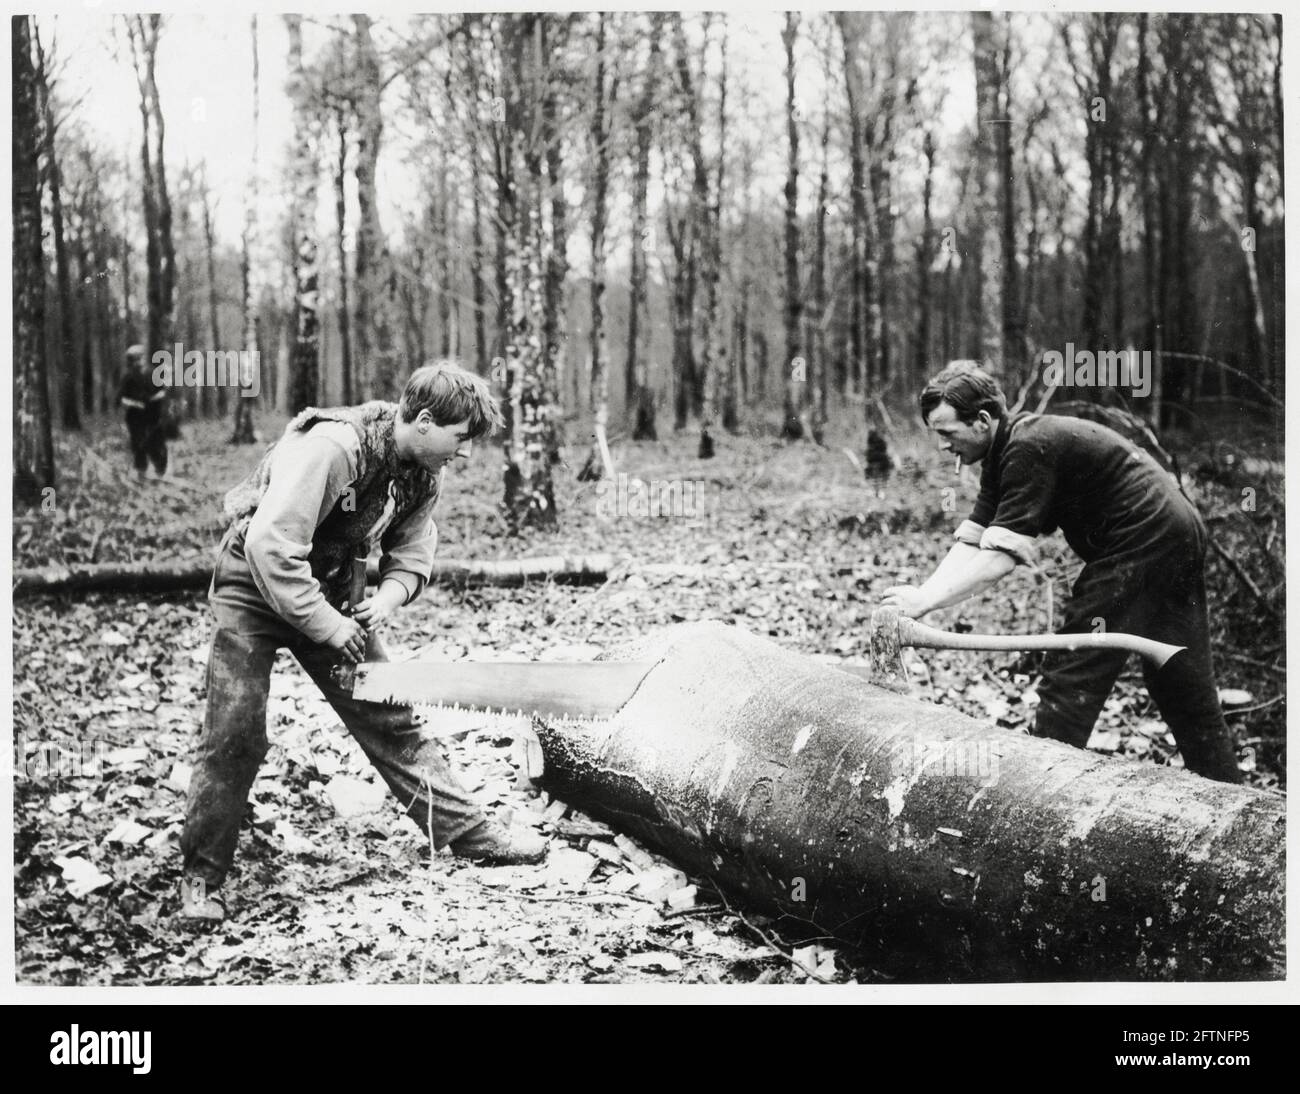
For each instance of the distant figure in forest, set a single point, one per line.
(146, 415)
(1142, 542)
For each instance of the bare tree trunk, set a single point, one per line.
(820, 372)
(479, 252)
(243, 426)
(350, 386)
(715, 349)
(598, 461)
(639, 396)
(1014, 350)
(166, 244)
(68, 369)
(850, 32)
(33, 442)
(529, 442)
(794, 367)
(373, 317)
(214, 321)
(190, 336)
(140, 44)
(554, 332)
(690, 247)
(987, 213)
(304, 366)
(924, 258)
(442, 235)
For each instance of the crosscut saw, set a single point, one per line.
(556, 689)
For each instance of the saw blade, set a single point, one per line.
(557, 689)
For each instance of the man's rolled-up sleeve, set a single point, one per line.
(307, 478)
(1028, 483)
(969, 532)
(408, 550)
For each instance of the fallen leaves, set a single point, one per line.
(81, 877)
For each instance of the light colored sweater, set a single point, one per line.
(309, 474)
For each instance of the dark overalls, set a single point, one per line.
(1143, 544)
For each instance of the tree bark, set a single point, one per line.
(341, 225)
(1014, 349)
(214, 314)
(944, 848)
(68, 369)
(688, 238)
(924, 259)
(639, 396)
(243, 418)
(373, 315)
(304, 366)
(597, 464)
(988, 213)
(794, 367)
(819, 372)
(862, 349)
(714, 337)
(529, 492)
(33, 442)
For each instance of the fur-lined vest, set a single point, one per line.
(384, 492)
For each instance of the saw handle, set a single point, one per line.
(344, 673)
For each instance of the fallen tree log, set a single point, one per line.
(194, 574)
(942, 848)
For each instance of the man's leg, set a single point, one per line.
(1074, 687)
(158, 450)
(1076, 683)
(139, 444)
(1184, 689)
(415, 769)
(232, 746)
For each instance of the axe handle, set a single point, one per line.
(912, 633)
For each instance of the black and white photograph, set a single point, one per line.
(681, 504)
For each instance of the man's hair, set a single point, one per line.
(966, 388)
(451, 394)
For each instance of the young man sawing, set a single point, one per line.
(337, 483)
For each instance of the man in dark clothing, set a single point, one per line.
(1142, 542)
(338, 482)
(145, 415)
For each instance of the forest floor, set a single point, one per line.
(333, 884)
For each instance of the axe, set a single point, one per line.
(890, 632)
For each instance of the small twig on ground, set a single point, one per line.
(1257, 706)
(1252, 661)
(1244, 578)
(694, 913)
(771, 945)
(592, 898)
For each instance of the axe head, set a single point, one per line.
(887, 667)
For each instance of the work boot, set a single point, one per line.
(494, 844)
(199, 908)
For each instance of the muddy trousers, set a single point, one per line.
(148, 439)
(245, 640)
(1157, 597)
